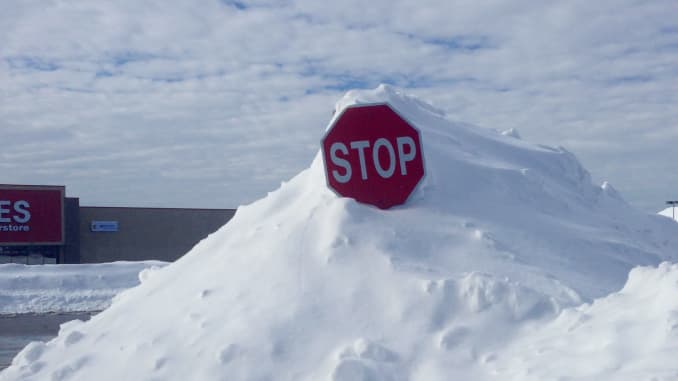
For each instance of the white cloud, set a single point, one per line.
(177, 104)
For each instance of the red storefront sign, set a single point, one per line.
(31, 215)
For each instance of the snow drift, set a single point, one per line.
(629, 335)
(493, 254)
(66, 288)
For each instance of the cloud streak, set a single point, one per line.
(212, 105)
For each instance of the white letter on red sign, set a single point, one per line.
(360, 145)
(340, 162)
(3, 210)
(381, 142)
(405, 157)
(21, 207)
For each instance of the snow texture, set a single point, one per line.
(67, 288)
(506, 263)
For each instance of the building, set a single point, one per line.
(39, 224)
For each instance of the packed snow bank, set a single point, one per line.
(66, 288)
(628, 335)
(670, 213)
(501, 236)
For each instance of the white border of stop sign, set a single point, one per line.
(400, 153)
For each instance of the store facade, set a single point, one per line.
(40, 225)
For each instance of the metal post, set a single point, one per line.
(673, 208)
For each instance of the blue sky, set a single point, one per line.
(213, 104)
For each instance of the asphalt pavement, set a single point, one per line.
(18, 330)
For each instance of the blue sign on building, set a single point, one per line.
(104, 226)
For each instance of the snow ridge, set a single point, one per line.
(66, 288)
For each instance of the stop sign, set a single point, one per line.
(373, 155)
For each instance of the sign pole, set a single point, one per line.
(673, 207)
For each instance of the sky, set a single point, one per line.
(212, 104)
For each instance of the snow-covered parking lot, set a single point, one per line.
(66, 288)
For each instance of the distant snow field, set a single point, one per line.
(507, 263)
(66, 288)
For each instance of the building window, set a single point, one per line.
(29, 255)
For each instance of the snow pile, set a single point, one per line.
(66, 288)
(501, 242)
(670, 212)
(629, 335)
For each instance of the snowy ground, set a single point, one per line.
(506, 264)
(66, 288)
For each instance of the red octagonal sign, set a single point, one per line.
(373, 155)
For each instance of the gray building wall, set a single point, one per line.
(146, 233)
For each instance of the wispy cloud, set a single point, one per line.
(157, 102)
